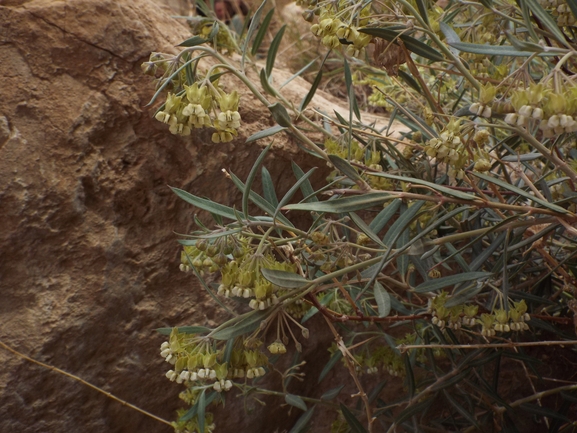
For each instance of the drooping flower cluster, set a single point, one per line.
(561, 10)
(554, 111)
(197, 362)
(240, 269)
(197, 106)
(499, 320)
(336, 29)
(450, 149)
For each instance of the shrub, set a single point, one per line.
(442, 257)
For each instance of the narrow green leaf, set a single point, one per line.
(469, 417)
(464, 295)
(352, 420)
(403, 258)
(450, 36)
(351, 91)
(268, 188)
(384, 216)
(521, 192)
(405, 218)
(522, 158)
(332, 393)
(296, 401)
(543, 411)
(288, 280)
(436, 187)
(189, 242)
(306, 187)
(412, 44)
(451, 379)
(185, 330)
(300, 71)
(458, 257)
(410, 378)
(302, 422)
(200, 416)
(412, 120)
(412, 410)
(272, 51)
(346, 168)
(499, 50)
(383, 300)
(376, 391)
(228, 351)
(250, 179)
(441, 283)
(280, 114)
(262, 30)
(335, 357)
(248, 322)
(266, 85)
(192, 42)
(259, 201)
(205, 204)
(254, 23)
(410, 80)
(365, 228)
(265, 133)
(190, 76)
(292, 191)
(343, 205)
(311, 93)
(487, 3)
(546, 19)
(422, 7)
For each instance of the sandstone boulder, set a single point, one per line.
(89, 260)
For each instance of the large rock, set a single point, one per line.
(89, 262)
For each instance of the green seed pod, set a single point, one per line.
(237, 252)
(211, 251)
(220, 259)
(202, 244)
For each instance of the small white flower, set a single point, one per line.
(553, 121)
(511, 118)
(526, 111)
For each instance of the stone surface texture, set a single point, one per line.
(89, 262)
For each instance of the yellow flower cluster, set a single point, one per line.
(334, 31)
(499, 321)
(561, 11)
(555, 111)
(197, 106)
(450, 149)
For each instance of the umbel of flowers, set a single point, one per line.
(554, 110)
(202, 106)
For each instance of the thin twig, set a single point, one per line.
(405, 347)
(76, 378)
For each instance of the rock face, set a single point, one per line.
(89, 262)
